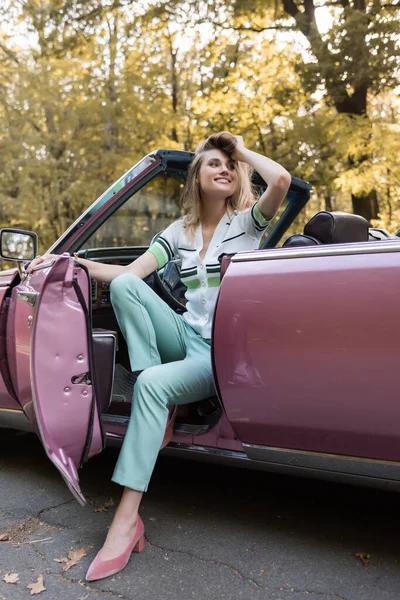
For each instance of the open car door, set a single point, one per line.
(52, 361)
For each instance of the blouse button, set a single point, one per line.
(203, 301)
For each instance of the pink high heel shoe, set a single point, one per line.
(99, 569)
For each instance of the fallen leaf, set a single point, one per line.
(11, 577)
(363, 557)
(73, 558)
(83, 597)
(4, 537)
(105, 506)
(262, 571)
(37, 587)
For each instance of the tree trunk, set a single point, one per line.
(174, 90)
(111, 137)
(366, 205)
(354, 104)
(330, 204)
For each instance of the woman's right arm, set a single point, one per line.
(142, 267)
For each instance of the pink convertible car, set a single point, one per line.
(305, 339)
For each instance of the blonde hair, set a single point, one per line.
(242, 198)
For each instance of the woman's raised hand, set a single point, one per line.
(237, 153)
(239, 141)
(38, 260)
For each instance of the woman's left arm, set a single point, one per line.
(276, 176)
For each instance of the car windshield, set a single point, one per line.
(143, 215)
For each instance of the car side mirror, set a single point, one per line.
(17, 244)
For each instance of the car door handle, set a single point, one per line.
(29, 297)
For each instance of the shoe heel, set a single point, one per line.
(140, 545)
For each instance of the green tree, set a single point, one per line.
(355, 59)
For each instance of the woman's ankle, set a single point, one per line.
(128, 517)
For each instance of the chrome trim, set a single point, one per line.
(191, 429)
(115, 419)
(114, 439)
(207, 451)
(44, 265)
(363, 467)
(29, 297)
(328, 250)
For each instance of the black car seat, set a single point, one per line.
(330, 228)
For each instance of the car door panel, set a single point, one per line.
(53, 364)
(313, 360)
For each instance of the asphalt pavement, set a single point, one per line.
(211, 533)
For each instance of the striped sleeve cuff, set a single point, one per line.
(161, 249)
(260, 222)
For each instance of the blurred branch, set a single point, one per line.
(8, 106)
(93, 13)
(9, 53)
(261, 29)
(98, 10)
(346, 3)
(291, 8)
(251, 28)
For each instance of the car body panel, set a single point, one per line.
(313, 342)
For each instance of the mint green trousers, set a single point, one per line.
(176, 363)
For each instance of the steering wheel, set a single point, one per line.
(167, 282)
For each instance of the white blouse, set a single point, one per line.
(235, 232)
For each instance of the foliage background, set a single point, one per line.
(88, 87)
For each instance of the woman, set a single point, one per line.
(171, 352)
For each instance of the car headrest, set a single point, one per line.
(337, 228)
(298, 240)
